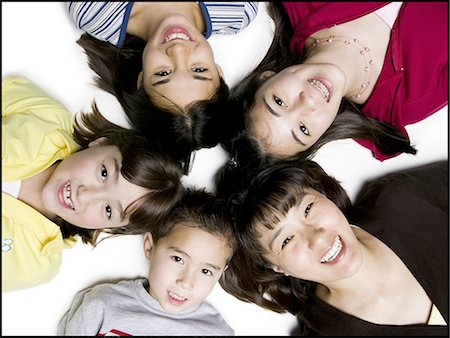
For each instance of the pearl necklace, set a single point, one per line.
(363, 50)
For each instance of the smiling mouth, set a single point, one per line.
(67, 194)
(175, 33)
(320, 86)
(333, 252)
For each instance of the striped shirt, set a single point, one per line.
(107, 21)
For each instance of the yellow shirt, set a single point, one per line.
(36, 131)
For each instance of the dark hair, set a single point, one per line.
(143, 164)
(179, 132)
(350, 122)
(199, 209)
(264, 197)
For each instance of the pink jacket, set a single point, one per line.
(413, 83)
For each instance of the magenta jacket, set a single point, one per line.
(413, 83)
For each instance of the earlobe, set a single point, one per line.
(267, 74)
(139, 80)
(98, 142)
(219, 69)
(278, 270)
(148, 244)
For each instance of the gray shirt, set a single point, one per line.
(126, 308)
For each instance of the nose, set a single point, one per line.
(314, 237)
(187, 279)
(87, 195)
(306, 102)
(178, 50)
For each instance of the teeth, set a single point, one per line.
(333, 252)
(67, 195)
(321, 88)
(177, 36)
(174, 295)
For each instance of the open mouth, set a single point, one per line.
(174, 33)
(67, 195)
(176, 299)
(321, 87)
(331, 254)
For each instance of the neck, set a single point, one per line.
(349, 55)
(146, 17)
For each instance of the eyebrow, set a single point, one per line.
(273, 112)
(197, 77)
(277, 233)
(116, 180)
(184, 253)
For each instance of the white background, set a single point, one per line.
(38, 42)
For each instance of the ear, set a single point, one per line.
(98, 142)
(219, 69)
(278, 270)
(148, 244)
(139, 80)
(267, 74)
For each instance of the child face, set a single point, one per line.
(178, 64)
(88, 190)
(314, 242)
(294, 107)
(184, 266)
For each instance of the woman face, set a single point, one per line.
(313, 242)
(294, 107)
(178, 64)
(87, 189)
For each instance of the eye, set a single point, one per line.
(104, 173)
(308, 209)
(278, 101)
(304, 130)
(286, 241)
(199, 69)
(108, 211)
(207, 272)
(177, 259)
(163, 72)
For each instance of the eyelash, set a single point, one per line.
(207, 272)
(288, 239)
(177, 259)
(304, 130)
(278, 101)
(168, 72)
(104, 176)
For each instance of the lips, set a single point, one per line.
(176, 33)
(323, 86)
(176, 299)
(65, 196)
(333, 253)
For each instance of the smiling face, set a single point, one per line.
(178, 65)
(87, 189)
(184, 266)
(294, 107)
(313, 242)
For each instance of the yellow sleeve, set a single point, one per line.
(36, 129)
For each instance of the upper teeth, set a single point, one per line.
(67, 194)
(176, 36)
(333, 252)
(174, 295)
(321, 88)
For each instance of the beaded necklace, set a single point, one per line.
(363, 50)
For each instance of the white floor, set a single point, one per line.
(38, 42)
